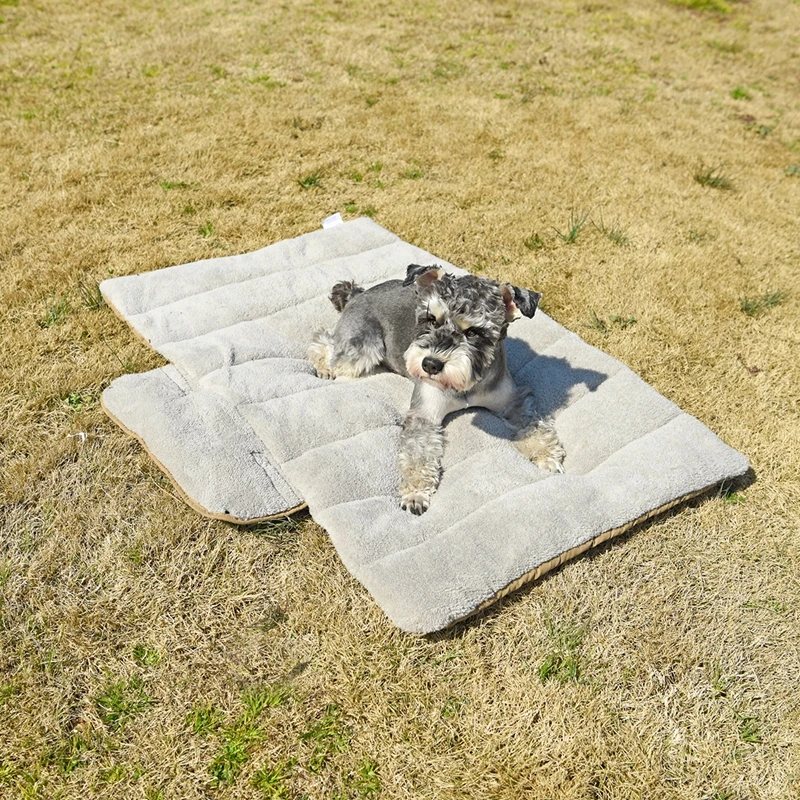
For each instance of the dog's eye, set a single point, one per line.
(472, 333)
(431, 320)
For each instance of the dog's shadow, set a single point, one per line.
(550, 379)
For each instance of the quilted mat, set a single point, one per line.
(247, 431)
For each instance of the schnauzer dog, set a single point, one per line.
(446, 333)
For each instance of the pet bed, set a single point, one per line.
(247, 431)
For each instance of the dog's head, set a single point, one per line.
(461, 322)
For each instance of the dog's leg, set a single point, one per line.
(533, 437)
(538, 442)
(320, 353)
(422, 445)
(358, 357)
(420, 462)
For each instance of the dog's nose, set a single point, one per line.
(432, 365)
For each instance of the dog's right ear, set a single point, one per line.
(423, 276)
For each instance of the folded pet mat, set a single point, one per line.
(243, 426)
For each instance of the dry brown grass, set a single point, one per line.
(137, 135)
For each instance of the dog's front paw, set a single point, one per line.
(540, 445)
(415, 502)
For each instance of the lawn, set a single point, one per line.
(636, 161)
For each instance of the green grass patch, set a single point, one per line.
(56, 311)
(534, 242)
(204, 719)
(7, 691)
(167, 185)
(720, 684)
(611, 322)
(243, 734)
(734, 498)
(91, 297)
(8, 772)
(272, 781)
(575, 225)
(146, 656)
(82, 400)
(70, 754)
(614, 233)
(740, 93)
(750, 729)
(114, 774)
(366, 781)
(206, 229)
(120, 701)
(701, 237)
(717, 6)
(756, 306)
(792, 171)
(328, 735)
(266, 80)
(563, 662)
(768, 604)
(233, 754)
(256, 700)
(452, 706)
(311, 181)
(714, 178)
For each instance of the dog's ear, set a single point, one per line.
(423, 276)
(519, 302)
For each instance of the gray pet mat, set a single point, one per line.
(247, 431)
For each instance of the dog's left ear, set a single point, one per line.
(519, 302)
(415, 273)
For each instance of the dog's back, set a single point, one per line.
(385, 311)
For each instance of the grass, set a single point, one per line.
(311, 181)
(563, 660)
(576, 223)
(610, 322)
(714, 178)
(237, 739)
(120, 701)
(90, 295)
(718, 6)
(328, 735)
(272, 781)
(366, 781)
(615, 232)
(56, 312)
(758, 306)
(534, 242)
(141, 644)
(204, 719)
(146, 656)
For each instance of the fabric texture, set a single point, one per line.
(241, 423)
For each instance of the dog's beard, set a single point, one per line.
(457, 373)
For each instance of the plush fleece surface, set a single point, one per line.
(246, 430)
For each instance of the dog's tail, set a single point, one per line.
(342, 293)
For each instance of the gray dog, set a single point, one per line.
(446, 333)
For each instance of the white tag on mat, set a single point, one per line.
(332, 221)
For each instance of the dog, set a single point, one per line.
(447, 334)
